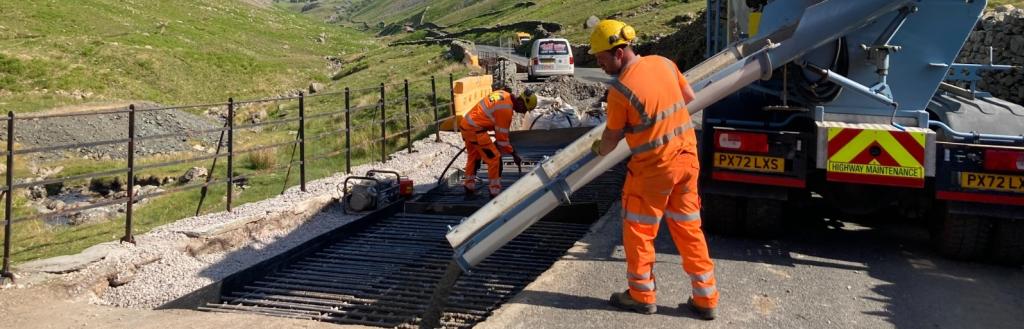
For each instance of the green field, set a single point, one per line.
(459, 15)
(187, 51)
(193, 52)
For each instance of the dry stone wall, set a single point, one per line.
(1001, 29)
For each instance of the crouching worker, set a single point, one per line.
(493, 113)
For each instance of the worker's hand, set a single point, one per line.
(596, 147)
(517, 159)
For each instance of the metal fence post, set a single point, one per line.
(128, 237)
(348, 133)
(231, 150)
(433, 100)
(451, 86)
(5, 272)
(383, 124)
(408, 120)
(302, 141)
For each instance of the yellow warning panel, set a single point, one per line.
(876, 156)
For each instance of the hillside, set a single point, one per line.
(650, 17)
(57, 53)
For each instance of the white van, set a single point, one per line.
(550, 57)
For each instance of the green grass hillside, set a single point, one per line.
(200, 51)
(183, 51)
(648, 18)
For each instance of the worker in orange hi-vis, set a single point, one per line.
(493, 113)
(647, 106)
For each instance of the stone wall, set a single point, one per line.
(1003, 30)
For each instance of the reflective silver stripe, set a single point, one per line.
(642, 286)
(501, 130)
(702, 277)
(682, 217)
(638, 218)
(644, 276)
(701, 291)
(503, 143)
(489, 111)
(486, 110)
(664, 139)
(657, 117)
(470, 121)
(645, 120)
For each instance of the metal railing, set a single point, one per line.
(228, 131)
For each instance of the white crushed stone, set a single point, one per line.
(158, 269)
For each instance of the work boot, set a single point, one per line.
(624, 301)
(494, 191)
(700, 312)
(469, 186)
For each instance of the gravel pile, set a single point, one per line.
(580, 94)
(106, 127)
(160, 267)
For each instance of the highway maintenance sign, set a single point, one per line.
(876, 156)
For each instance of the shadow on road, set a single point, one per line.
(916, 287)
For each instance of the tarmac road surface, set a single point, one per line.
(822, 274)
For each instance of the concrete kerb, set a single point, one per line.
(591, 246)
(214, 236)
(72, 263)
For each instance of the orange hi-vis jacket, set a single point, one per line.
(655, 121)
(648, 104)
(494, 112)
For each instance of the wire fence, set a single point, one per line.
(389, 117)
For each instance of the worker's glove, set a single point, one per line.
(596, 147)
(517, 159)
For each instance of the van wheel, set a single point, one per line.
(722, 214)
(1008, 242)
(959, 236)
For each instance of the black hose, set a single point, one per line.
(441, 178)
(534, 122)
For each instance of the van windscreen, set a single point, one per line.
(553, 48)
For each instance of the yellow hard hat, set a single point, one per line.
(610, 33)
(529, 99)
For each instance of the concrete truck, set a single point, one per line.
(880, 122)
(855, 103)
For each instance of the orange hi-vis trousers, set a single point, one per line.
(479, 146)
(672, 195)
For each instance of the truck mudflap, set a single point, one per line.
(875, 154)
(980, 174)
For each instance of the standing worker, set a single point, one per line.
(647, 106)
(493, 113)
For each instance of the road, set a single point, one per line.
(823, 273)
(589, 74)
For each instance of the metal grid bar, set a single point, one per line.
(383, 274)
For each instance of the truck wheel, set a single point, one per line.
(964, 237)
(722, 214)
(764, 218)
(1008, 242)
